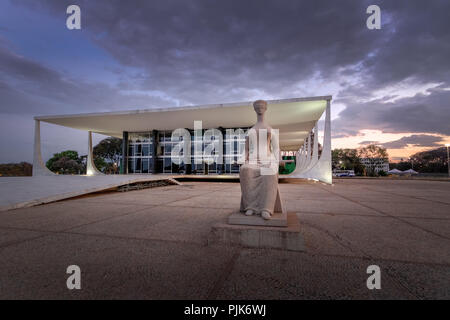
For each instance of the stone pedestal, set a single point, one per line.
(263, 236)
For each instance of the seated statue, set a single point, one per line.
(259, 174)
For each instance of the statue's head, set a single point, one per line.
(260, 106)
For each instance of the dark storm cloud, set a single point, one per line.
(419, 44)
(27, 86)
(214, 51)
(416, 140)
(197, 52)
(218, 51)
(15, 66)
(421, 113)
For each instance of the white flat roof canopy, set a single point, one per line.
(295, 118)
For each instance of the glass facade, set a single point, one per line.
(164, 152)
(234, 148)
(140, 152)
(150, 152)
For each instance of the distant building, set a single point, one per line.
(376, 164)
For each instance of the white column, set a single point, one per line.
(307, 159)
(39, 168)
(308, 152)
(322, 169)
(325, 166)
(315, 148)
(91, 169)
(302, 157)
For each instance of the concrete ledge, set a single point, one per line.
(287, 238)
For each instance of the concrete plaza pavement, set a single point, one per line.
(154, 244)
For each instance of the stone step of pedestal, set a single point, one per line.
(288, 238)
(278, 219)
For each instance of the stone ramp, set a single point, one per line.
(21, 192)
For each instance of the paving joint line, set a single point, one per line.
(389, 215)
(406, 196)
(393, 279)
(218, 285)
(336, 238)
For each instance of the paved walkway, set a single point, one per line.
(153, 244)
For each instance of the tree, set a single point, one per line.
(100, 163)
(65, 165)
(431, 161)
(347, 159)
(66, 162)
(16, 169)
(402, 165)
(373, 155)
(107, 154)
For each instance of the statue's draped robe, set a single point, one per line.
(259, 191)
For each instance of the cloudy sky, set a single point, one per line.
(390, 86)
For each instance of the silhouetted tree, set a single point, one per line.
(107, 154)
(16, 169)
(66, 162)
(431, 161)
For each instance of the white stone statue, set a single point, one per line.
(259, 174)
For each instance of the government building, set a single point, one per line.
(148, 142)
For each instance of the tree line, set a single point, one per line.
(107, 154)
(431, 161)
